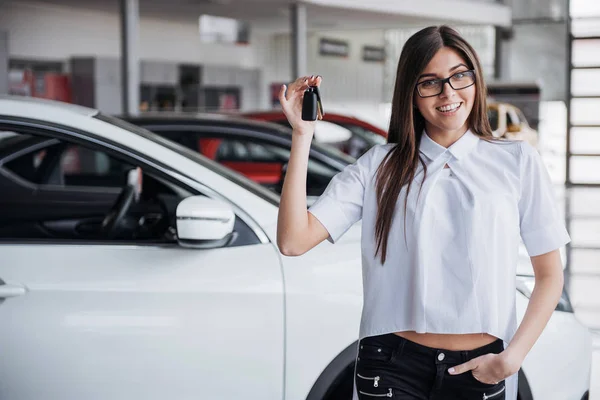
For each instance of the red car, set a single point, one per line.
(360, 137)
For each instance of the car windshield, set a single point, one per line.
(195, 156)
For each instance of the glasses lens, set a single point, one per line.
(429, 88)
(462, 79)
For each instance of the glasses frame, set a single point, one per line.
(444, 81)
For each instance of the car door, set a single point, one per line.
(101, 319)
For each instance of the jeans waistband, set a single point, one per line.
(449, 356)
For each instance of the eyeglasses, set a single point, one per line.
(458, 81)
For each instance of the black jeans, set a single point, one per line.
(389, 366)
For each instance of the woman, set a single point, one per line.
(443, 205)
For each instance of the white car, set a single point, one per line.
(172, 285)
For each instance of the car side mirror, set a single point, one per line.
(204, 223)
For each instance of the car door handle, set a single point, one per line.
(7, 290)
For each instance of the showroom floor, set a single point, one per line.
(583, 268)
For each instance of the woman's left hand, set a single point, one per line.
(489, 368)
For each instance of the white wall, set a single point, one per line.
(539, 53)
(348, 83)
(537, 50)
(52, 32)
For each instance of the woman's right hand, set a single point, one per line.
(291, 102)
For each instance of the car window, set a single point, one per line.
(190, 151)
(79, 166)
(511, 118)
(69, 165)
(246, 151)
(50, 211)
(28, 166)
(262, 162)
(493, 118)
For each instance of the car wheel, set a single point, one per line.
(341, 388)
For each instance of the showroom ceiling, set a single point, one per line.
(274, 15)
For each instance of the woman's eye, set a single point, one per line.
(428, 83)
(460, 75)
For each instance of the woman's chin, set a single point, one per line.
(450, 128)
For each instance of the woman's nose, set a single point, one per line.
(447, 90)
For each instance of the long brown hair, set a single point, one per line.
(399, 166)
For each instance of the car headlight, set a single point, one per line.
(525, 285)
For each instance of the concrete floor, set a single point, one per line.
(582, 278)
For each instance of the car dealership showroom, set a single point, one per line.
(190, 206)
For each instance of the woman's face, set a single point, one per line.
(448, 112)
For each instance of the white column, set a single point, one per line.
(299, 35)
(3, 62)
(502, 53)
(130, 62)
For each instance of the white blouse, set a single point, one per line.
(454, 271)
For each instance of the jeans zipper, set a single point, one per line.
(388, 394)
(485, 396)
(375, 379)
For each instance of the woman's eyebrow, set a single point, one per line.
(457, 66)
(451, 69)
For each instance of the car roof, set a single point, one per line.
(230, 121)
(279, 112)
(32, 107)
(208, 119)
(332, 117)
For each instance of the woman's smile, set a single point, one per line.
(449, 109)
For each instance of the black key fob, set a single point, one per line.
(311, 103)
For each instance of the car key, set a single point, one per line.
(311, 103)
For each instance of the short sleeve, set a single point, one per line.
(340, 206)
(542, 228)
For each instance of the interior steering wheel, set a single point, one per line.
(114, 218)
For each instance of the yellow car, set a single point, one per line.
(508, 122)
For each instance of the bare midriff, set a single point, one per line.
(454, 342)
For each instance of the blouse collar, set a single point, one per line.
(459, 149)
